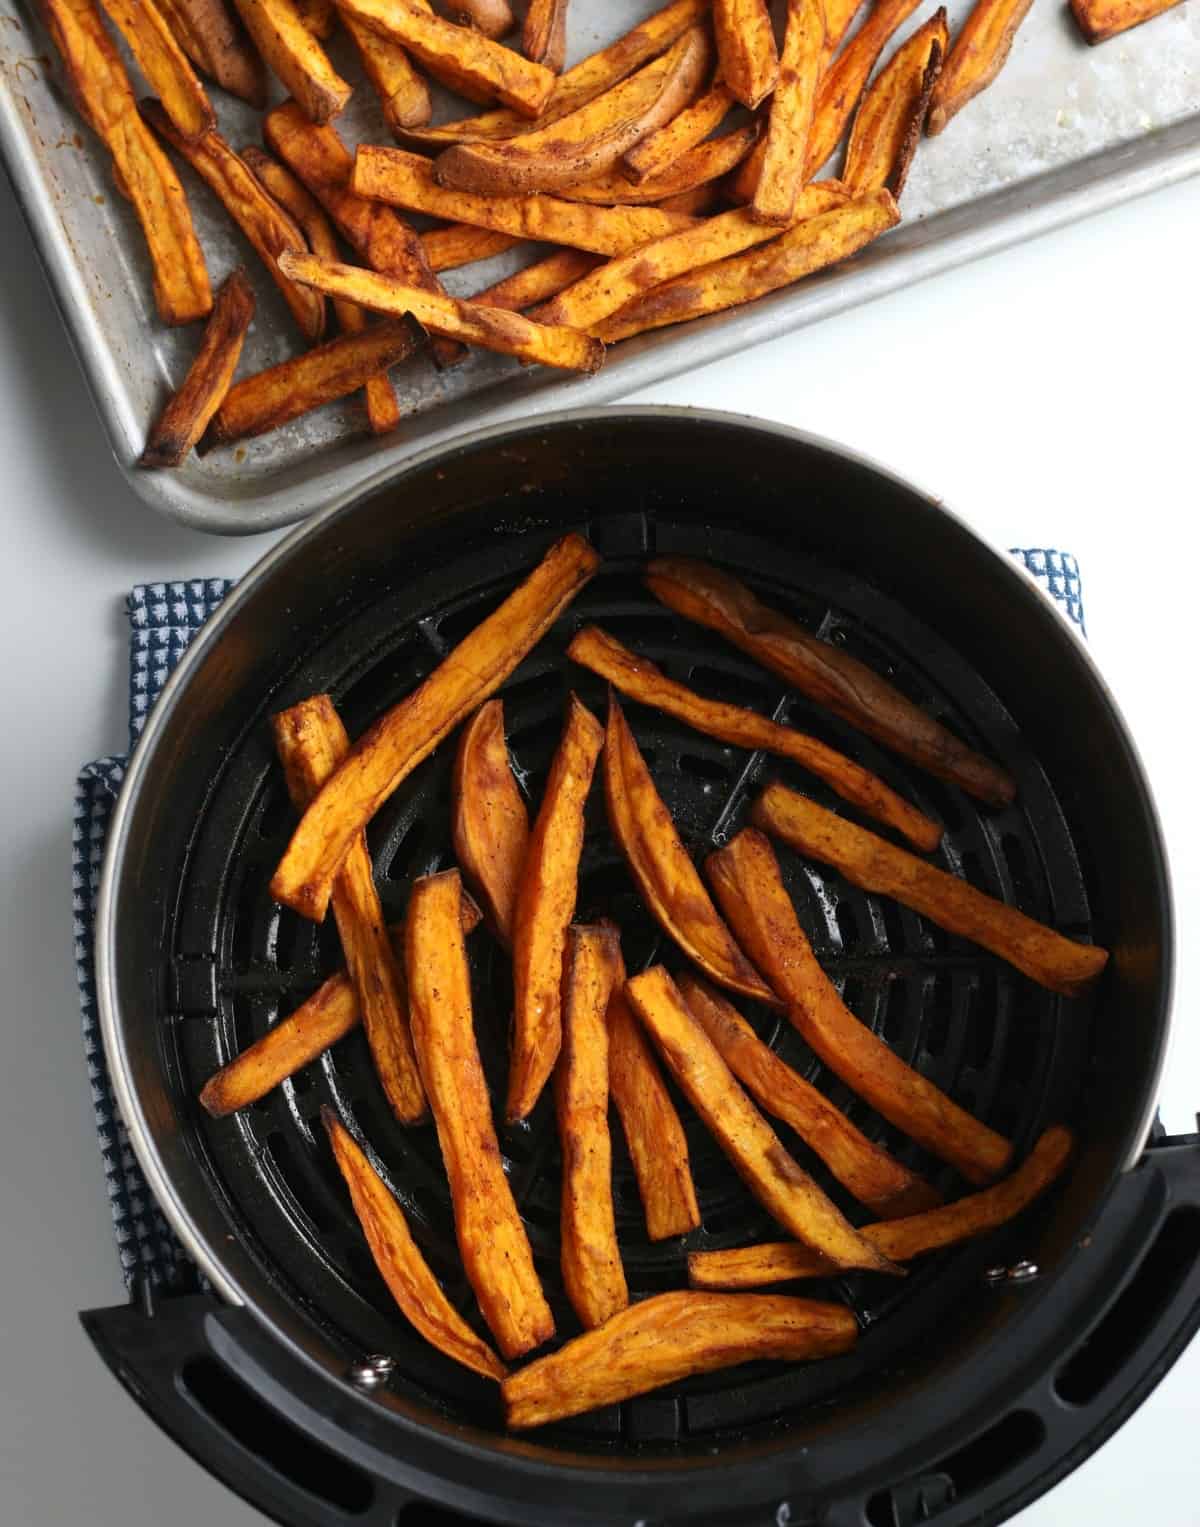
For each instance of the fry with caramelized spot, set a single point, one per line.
(406, 734)
(210, 35)
(662, 868)
(544, 908)
(670, 1337)
(981, 48)
(544, 35)
(539, 281)
(319, 16)
(491, 17)
(591, 1260)
(891, 116)
(746, 48)
(460, 244)
(402, 92)
(491, 1238)
(399, 1260)
(1101, 19)
(692, 171)
(660, 150)
(295, 56)
(192, 405)
(899, 1239)
(785, 147)
(779, 1183)
(164, 63)
(745, 875)
(489, 824)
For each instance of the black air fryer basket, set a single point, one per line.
(981, 1378)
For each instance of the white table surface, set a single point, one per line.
(1049, 394)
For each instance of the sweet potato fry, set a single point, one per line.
(399, 1260)
(544, 35)
(661, 868)
(489, 824)
(491, 1238)
(407, 180)
(460, 56)
(491, 328)
(1101, 19)
(785, 147)
(661, 149)
(891, 116)
(274, 397)
(407, 733)
(746, 49)
(210, 35)
(268, 228)
(319, 16)
(745, 876)
(863, 1168)
(491, 17)
(669, 1337)
(164, 63)
(311, 742)
(186, 416)
(779, 1183)
(591, 1260)
(981, 48)
(652, 1128)
(1059, 963)
(700, 201)
(824, 673)
(544, 908)
(104, 97)
(694, 170)
(643, 681)
(813, 245)
(402, 92)
(587, 142)
(846, 79)
(295, 56)
(460, 244)
(838, 16)
(899, 1239)
(539, 281)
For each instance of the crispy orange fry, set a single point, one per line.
(838, 16)
(836, 680)
(863, 1168)
(591, 1260)
(544, 36)
(746, 48)
(659, 151)
(164, 63)
(192, 405)
(539, 281)
(652, 1128)
(785, 147)
(489, 824)
(210, 35)
(491, 17)
(407, 180)
(745, 876)
(104, 97)
(268, 228)
(694, 170)
(779, 1183)
(491, 1238)
(460, 56)
(319, 16)
(588, 142)
(662, 869)
(1059, 963)
(461, 244)
(407, 733)
(641, 680)
(669, 1337)
(544, 908)
(491, 328)
(891, 116)
(1100, 19)
(284, 392)
(981, 48)
(402, 92)
(311, 742)
(698, 202)
(900, 1239)
(399, 1260)
(295, 56)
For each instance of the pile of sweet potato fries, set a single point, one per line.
(672, 173)
(582, 1025)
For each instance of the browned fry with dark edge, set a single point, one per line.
(670, 1337)
(319, 16)
(406, 734)
(891, 116)
(295, 56)
(746, 48)
(544, 908)
(866, 860)
(160, 57)
(192, 405)
(900, 1239)
(856, 693)
(779, 1183)
(1101, 19)
(544, 35)
(745, 875)
(980, 50)
(695, 170)
(489, 824)
(403, 93)
(660, 150)
(864, 1169)
(398, 1257)
(491, 1238)
(211, 36)
(785, 147)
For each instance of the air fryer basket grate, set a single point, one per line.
(1011, 1052)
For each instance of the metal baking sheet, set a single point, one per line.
(1066, 130)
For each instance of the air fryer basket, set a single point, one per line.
(195, 960)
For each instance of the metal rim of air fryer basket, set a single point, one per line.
(528, 485)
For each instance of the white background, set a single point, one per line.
(1049, 394)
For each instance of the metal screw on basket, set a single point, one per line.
(374, 1370)
(1023, 1272)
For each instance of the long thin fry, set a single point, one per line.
(1101, 19)
(295, 56)
(891, 116)
(745, 876)
(641, 680)
(402, 92)
(544, 37)
(399, 1260)
(980, 50)
(899, 1239)
(658, 151)
(846, 78)
(694, 170)
(779, 1183)
(461, 244)
(489, 824)
(164, 63)
(407, 733)
(785, 147)
(540, 281)
(209, 33)
(1059, 963)
(746, 48)
(669, 1337)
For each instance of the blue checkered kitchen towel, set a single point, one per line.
(163, 618)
